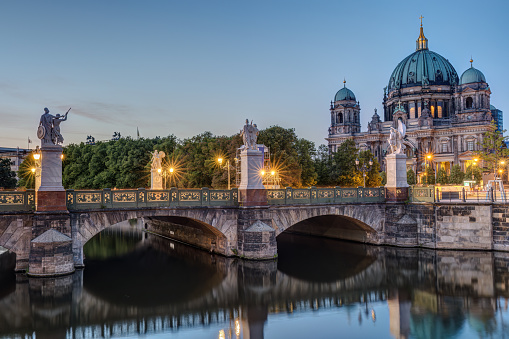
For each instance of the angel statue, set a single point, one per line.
(157, 158)
(396, 137)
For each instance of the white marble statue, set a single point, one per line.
(49, 128)
(157, 158)
(396, 137)
(249, 134)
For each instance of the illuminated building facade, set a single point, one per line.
(445, 115)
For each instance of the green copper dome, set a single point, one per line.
(423, 68)
(472, 75)
(344, 94)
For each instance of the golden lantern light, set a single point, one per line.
(33, 169)
(237, 327)
(159, 170)
(171, 169)
(221, 334)
(220, 161)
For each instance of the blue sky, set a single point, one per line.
(185, 67)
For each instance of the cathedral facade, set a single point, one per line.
(445, 115)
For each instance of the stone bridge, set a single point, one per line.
(214, 221)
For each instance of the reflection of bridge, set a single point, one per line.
(77, 304)
(213, 220)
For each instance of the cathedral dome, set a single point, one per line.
(423, 68)
(472, 75)
(344, 94)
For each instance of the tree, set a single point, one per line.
(493, 149)
(429, 177)
(442, 178)
(25, 174)
(7, 176)
(383, 175)
(324, 166)
(282, 143)
(410, 177)
(344, 161)
(473, 172)
(306, 152)
(456, 177)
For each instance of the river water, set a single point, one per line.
(138, 285)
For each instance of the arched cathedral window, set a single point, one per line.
(340, 118)
(469, 103)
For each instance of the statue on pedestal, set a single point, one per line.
(49, 128)
(396, 137)
(249, 134)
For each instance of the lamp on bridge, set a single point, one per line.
(227, 165)
(364, 168)
(37, 169)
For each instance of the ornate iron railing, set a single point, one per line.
(314, 195)
(134, 198)
(107, 198)
(17, 201)
(422, 194)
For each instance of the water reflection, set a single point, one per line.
(135, 284)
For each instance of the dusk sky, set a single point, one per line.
(185, 67)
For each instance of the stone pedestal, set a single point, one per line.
(251, 190)
(156, 180)
(51, 255)
(50, 195)
(397, 185)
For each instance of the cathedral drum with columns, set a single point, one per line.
(445, 115)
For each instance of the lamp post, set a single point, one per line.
(429, 162)
(472, 168)
(171, 176)
(227, 165)
(501, 168)
(37, 170)
(363, 168)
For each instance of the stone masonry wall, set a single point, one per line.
(501, 227)
(464, 227)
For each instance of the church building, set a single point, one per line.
(445, 115)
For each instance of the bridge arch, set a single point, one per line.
(217, 225)
(362, 222)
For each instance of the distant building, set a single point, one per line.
(445, 115)
(498, 116)
(16, 155)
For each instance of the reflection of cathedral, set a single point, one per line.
(445, 115)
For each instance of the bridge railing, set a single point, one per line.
(135, 198)
(314, 195)
(17, 201)
(422, 194)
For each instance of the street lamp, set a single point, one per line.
(429, 162)
(364, 168)
(220, 161)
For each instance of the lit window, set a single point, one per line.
(470, 145)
